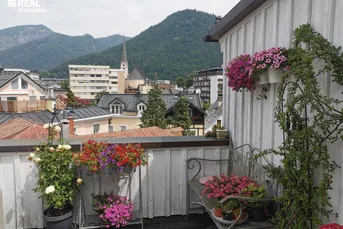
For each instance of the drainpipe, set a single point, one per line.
(65, 125)
(2, 224)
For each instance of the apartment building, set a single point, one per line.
(209, 83)
(88, 80)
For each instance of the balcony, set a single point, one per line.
(164, 179)
(27, 106)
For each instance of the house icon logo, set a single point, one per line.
(12, 3)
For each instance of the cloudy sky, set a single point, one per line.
(104, 17)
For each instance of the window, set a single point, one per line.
(123, 127)
(42, 97)
(75, 130)
(32, 98)
(110, 128)
(15, 84)
(190, 112)
(116, 109)
(11, 98)
(24, 84)
(141, 108)
(96, 128)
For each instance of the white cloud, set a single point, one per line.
(105, 17)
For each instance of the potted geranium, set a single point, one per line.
(268, 65)
(239, 73)
(129, 156)
(107, 160)
(258, 210)
(57, 181)
(113, 210)
(88, 158)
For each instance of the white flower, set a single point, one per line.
(32, 155)
(49, 189)
(46, 126)
(59, 147)
(57, 129)
(67, 147)
(51, 149)
(36, 160)
(37, 149)
(79, 181)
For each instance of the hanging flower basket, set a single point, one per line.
(270, 63)
(239, 73)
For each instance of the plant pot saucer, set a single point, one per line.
(226, 222)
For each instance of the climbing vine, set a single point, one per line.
(310, 121)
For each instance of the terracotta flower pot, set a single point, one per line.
(218, 212)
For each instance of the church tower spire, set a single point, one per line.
(124, 65)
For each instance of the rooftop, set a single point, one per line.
(232, 18)
(131, 100)
(19, 128)
(143, 132)
(43, 117)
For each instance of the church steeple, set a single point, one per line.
(124, 65)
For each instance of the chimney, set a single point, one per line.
(65, 125)
(71, 125)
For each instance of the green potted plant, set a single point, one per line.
(57, 182)
(258, 210)
(218, 212)
(227, 212)
(234, 206)
(221, 132)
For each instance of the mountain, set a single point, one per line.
(172, 48)
(18, 35)
(112, 40)
(53, 50)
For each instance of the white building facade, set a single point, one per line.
(88, 80)
(256, 25)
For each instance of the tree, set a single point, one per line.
(99, 95)
(156, 110)
(72, 100)
(184, 82)
(206, 105)
(65, 84)
(181, 115)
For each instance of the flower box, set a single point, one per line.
(274, 75)
(264, 79)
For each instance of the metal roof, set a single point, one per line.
(6, 77)
(46, 116)
(136, 74)
(231, 19)
(130, 100)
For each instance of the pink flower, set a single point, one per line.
(259, 66)
(264, 65)
(268, 61)
(277, 65)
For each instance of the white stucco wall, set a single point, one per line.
(252, 121)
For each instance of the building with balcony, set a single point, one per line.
(128, 109)
(88, 80)
(209, 83)
(18, 86)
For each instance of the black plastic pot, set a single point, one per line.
(258, 213)
(227, 216)
(58, 222)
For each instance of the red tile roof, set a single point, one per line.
(143, 132)
(22, 129)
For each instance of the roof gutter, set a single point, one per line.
(231, 19)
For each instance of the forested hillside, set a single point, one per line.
(171, 48)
